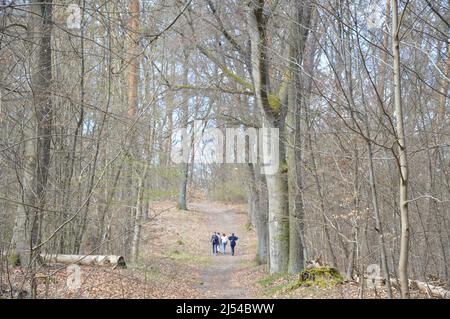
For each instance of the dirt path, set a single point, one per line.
(218, 280)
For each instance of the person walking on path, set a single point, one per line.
(215, 243)
(219, 244)
(232, 240)
(224, 243)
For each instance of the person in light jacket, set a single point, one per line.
(224, 243)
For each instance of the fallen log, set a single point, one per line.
(86, 260)
(430, 290)
(434, 291)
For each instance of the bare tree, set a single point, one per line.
(402, 154)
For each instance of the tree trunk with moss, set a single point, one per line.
(274, 117)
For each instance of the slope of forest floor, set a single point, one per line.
(176, 261)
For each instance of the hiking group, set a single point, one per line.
(219, 243)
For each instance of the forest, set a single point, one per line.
(317, 131)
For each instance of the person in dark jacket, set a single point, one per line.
(215, 243)
(232, 240)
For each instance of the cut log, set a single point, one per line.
(87, 260)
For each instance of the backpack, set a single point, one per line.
(215, 239)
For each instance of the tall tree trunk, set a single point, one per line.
(277, 188)
(258, 191)
(133, 52)
(372, 178)
(296, 210)
(443, 91)
(402, 157)
(37, 151)
(184, 122)
(356, 207)
(138, 217)
(378, 223)
(133, 25)
(169, 114)
(299, 35)
(277, 182)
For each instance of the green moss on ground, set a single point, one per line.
(322, 277)
(281, 284)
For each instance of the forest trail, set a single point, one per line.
(217, 278)
(176, 248)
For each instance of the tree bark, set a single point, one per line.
(133, 52)
(37, 152)
(258, 191)
(402, 157)
(296, 209)
(378, 223)
(299, 35)
(443, 91)
(184, 122)
(277, 183)
(138, 217)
